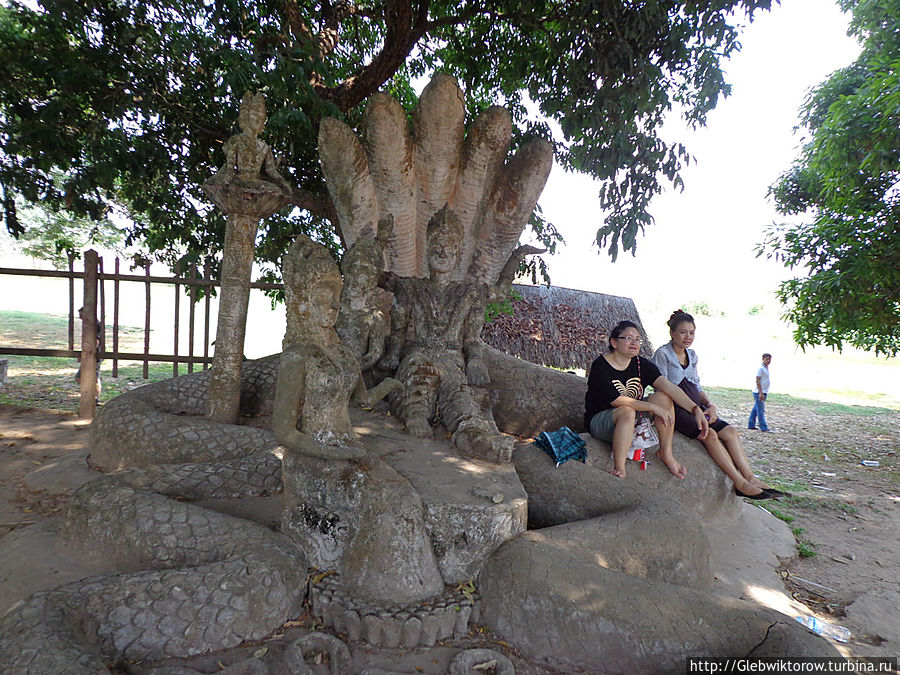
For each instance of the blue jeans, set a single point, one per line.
(759, 410)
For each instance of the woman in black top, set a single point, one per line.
(615, 396)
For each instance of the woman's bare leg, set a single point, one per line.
(724, 461)
(624, 432)
(666, 431)
(732, 442)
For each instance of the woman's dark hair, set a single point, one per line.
(679, 316)
(618, 329)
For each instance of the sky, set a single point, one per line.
(701, 247)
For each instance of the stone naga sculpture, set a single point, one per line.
(436, 332)
(443, 267)
(318, 374)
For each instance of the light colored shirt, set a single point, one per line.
(667, 361)
(763, 374)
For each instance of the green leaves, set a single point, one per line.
(132, 101)
(845, 187)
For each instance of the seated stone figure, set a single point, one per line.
(318, 374)
(435, 335)
(249, 161)
(364, 320)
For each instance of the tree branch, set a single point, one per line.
(399, 39)
(317, 205)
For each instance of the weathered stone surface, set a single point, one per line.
(336, 654)
(154, 614)
(382, 625)
(528, 399)
(876, 614)
(159, 424)
(258, 475)
(705, 490)
(364, 519)
(139, 529)
(615, 525)
(464, 523)
(389, 557)
(609, 622)
(464, 663)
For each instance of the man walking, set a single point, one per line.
(760, 395)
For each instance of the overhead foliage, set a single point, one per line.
(133, 99)
(845, 188)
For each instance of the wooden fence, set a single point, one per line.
(94, 319)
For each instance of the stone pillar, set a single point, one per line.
(245, 206)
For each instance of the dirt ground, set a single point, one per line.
(848, 512)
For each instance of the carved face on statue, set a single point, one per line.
(444, 242)
(443, 252)
(324, 303)
(312, 287)
(252, 116)
(363, 264)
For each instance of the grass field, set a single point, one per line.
(49, 382)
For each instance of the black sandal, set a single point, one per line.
(765, 494)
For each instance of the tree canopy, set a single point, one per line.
(131, 100)
(845, 186)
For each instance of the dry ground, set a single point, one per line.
(844, 513)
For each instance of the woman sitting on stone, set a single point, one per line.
(615, 396)
(678, 363)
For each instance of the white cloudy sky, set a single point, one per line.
(714, 225)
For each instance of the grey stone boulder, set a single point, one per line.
(876, 614)
(611, 522)
(553, 605)
(473, 661)
(336, 654)
(363, 519)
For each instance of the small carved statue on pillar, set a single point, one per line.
(247, 189)
(249, 161)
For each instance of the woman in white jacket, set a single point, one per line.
(678, 363)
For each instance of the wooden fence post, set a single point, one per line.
(89, 338)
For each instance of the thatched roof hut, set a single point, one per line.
(560, 327)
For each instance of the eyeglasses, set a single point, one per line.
(628, 338)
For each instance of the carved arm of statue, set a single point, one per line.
(288, 406)
(400, 319)
(508, 273)
(476, 368)
(270, 171)
(369, 397)
(379, 333)
(225, 174)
